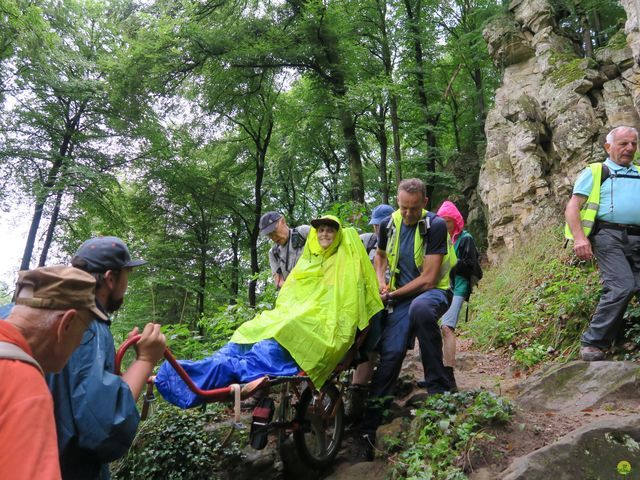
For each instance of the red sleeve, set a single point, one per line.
(28, 442)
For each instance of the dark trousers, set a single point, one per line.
(618, 257)
(417, 316)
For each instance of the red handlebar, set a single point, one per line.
(212, 395)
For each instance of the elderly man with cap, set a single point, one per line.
(96, 414)
(53, 307)
(288, 244)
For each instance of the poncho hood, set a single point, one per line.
(329, 294)
(449, 210)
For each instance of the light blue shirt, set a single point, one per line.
(619, 197)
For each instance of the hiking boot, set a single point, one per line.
(365, 447)
(453, 387)
(590, 353)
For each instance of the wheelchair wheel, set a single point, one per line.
(321, 418)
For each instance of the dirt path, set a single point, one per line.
(528, 431)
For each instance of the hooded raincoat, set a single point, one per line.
(464, 247)
(329, 294)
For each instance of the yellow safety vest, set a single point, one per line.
(589, 210)
(393, 249)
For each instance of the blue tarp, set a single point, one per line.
(233, 363)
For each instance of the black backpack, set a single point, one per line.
(468, 264)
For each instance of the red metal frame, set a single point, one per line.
(211, 395)
(221, 394)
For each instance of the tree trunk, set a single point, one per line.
(395, 128)
(586, 36)
(353, 153)
(235, 266)
(52, 227)
(331, 65)
(261, 154)
(383, 143)
(37, 212)
(202, 284)
(431, 121)
(393, 99)
(66, 147)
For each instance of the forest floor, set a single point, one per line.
(527, 431)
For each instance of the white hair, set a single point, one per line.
(38, 318)
(611, 136)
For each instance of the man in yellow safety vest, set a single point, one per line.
(604, 221)
(416, 254)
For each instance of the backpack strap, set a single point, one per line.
(606, 173)
(11, 351)
(372, 243)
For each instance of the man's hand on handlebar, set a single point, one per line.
(150, 348)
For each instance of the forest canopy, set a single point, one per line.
(176, 124)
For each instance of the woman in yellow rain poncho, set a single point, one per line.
(331, 292)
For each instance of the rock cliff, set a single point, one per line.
(551, 114)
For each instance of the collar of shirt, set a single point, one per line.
(614, 167)
(102, 309)
(9, 333)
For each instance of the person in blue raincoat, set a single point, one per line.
(95, 409)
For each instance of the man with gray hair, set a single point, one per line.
(53, 307)
(603, 220)
(288, 244)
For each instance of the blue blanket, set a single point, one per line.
(233, 363)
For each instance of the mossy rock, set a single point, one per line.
(602, 450)
(579, 385)
(568, 69)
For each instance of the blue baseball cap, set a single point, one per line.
(99, 254)
(380, 213)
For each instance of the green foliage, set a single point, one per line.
(538, 297)
(444, 431)
(529, 356)
(181, 445)
(5, 294)
(187, 343)
(219, 326)
(351, 214)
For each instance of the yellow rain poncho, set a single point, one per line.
(326, 297)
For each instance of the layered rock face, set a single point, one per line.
(551, 115)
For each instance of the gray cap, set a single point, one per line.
(380, 213)
(269, 222)
(97, 255)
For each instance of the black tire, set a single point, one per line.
(319, 438)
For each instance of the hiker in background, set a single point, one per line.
(415, 251)
(95, 409)
(370, 239)
(288, 244)
(466, 269)
(363, 373)
(53, 307)
(604, 220)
